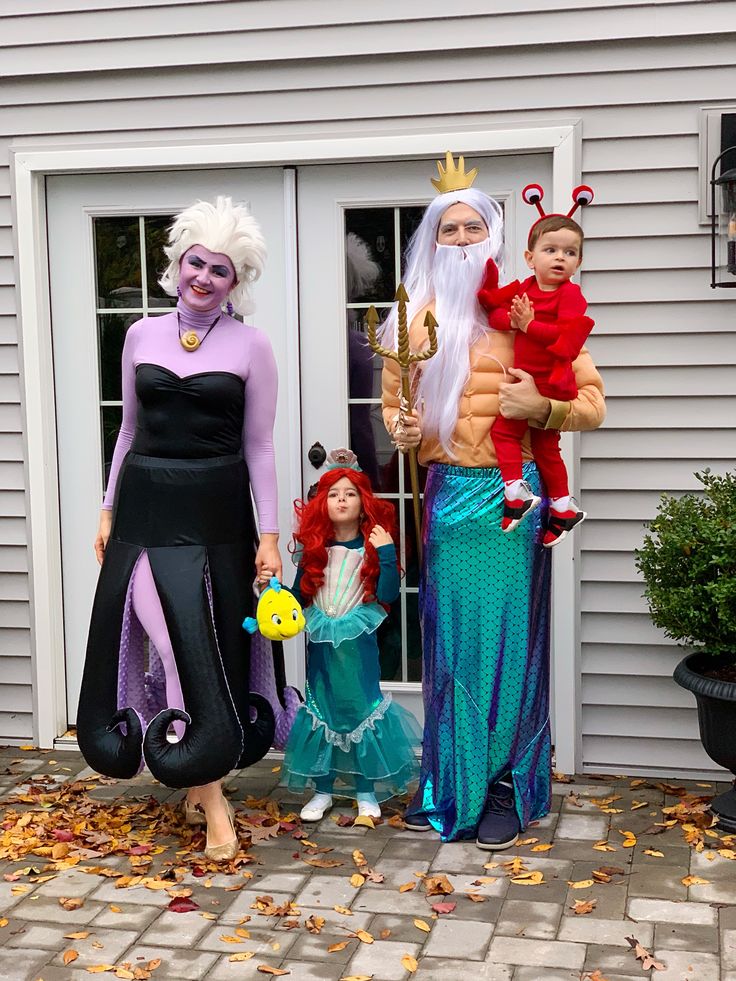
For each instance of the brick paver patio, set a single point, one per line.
(274, 912)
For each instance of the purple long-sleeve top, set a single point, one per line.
(230, 346)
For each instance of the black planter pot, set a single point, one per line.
(717, 719)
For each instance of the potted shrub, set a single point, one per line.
(688, 561)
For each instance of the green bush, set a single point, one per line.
(688, 561)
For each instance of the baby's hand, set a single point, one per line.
(379, 536)
(522, 312)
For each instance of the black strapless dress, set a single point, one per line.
(183, 497)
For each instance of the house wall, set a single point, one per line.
(635, 74)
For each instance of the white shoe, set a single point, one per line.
(368, 806)
(316, 808)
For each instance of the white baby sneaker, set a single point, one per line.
(368, 806)
(316, 808)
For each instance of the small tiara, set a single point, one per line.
(342, 458)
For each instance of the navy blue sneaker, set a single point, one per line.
(414, 818)
(417, 822)
(499, 825)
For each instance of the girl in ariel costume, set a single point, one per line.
(347, 730)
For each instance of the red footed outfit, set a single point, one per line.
(546, 350)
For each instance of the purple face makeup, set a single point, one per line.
(205, 278)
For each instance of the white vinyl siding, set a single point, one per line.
(635, 74)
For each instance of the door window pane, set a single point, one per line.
(118, 262)
(129, 258)
(375, 240)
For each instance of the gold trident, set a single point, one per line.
(405, 359)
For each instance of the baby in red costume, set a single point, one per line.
(548, 312)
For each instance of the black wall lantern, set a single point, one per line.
(723, 226)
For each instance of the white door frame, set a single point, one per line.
(29, 169)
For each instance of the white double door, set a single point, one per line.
(348, 230)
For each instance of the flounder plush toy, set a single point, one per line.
(278, 614)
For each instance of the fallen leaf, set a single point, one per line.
(323, 863)
(315, 923)
(581, 884)
(438, 885)
(409, 963)
(182, 904)
(407, 887)
(373, 876)
(423, 925)
(125, 974)
(343, 909)
(442, 908)
(359, 858)
(333, 948)
(71, 902)
(582, 906)
(4, 922)
(595, 976)
(603, 846)
(364, 936)
(653, 852)
(240, 932)
(515, 866)
(357, 977)
(100, 968)
(528, 878)
(364, 820)
(228, 938)
(694, 880)
(357, 880)
(476, 896)
(69, 956)
(542, 848)
(115, 909)
(243, 955)
(629, 839)
(642, 954)
(385, 934)
(80, 935)
(275, 972)
(636, 804)
(527, 841)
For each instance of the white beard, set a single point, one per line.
(457, 273)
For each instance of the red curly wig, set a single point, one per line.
(315, 530)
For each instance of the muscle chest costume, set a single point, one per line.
(484, 602)
(196, 437)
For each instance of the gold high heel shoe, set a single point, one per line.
(229, 849)
(193, 814)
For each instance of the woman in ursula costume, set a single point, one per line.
(177, 535)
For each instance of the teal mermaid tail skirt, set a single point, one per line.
(486, 651)
(347, 733)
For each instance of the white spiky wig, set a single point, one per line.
(222, 227)
(461, 321)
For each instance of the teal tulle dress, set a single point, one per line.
(348, 737)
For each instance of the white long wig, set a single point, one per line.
(431, 273)
(222, 227)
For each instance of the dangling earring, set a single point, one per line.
(178, 291)
(229, 308)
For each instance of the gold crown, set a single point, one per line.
(452, 177)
